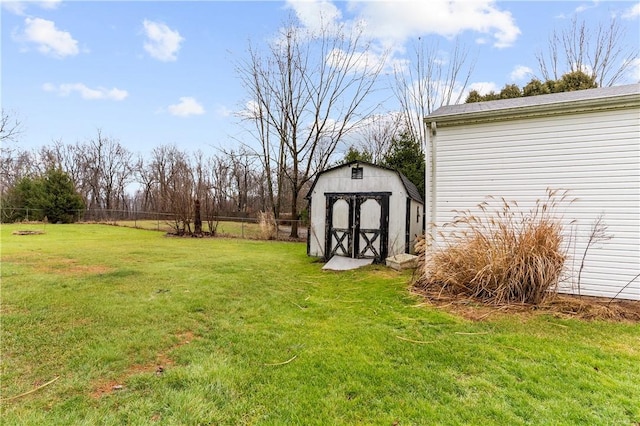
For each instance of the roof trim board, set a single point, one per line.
(606, 98)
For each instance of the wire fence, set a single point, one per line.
(229, 226)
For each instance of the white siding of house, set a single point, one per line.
(595, 155)
(374, 180)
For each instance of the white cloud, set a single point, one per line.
(251, 109)
(585, 68)
(395, 22)
(15, 7)
(634, 71)
(49, 4)
(186, 107)
(520, 72)
(223, 111)
(20, 7)
(358, 61)
(315, 14)
(162, 42)
(85, 92)
(632, 12)
(49, 39)
(584, 7)
(484, 87)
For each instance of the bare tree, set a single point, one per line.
(71, 159)
(111, 169)
(11, 168)
(271, 152)
(599, 52)
(375, 135)
(169, 183)
(306, 93)
(219, 176)
(15, 165)
(243, 178)
(204, 193)
(10, 127)
(180, 195)
(157, 174)
(429, 80)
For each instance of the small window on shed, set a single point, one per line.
(356, 173)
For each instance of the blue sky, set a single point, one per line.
(151, 73)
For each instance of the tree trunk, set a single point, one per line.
(197, 221)
(294, 215)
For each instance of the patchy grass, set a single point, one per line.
(229, 229)
(225, 228)
(144, 329)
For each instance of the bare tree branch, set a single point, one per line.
(10, 128)
(599, 52)
(430, 81)
(305, 94)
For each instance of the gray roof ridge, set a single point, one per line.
(548, 99)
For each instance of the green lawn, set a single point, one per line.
(254, 332)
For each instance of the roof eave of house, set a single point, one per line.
(539, 110)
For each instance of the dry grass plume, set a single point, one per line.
(499, 255)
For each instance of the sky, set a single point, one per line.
(151, 73)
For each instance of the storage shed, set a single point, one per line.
(363, 211)
(587, 142)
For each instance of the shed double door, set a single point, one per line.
(357, 226)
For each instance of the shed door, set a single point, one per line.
(357, 226)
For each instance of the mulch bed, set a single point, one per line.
(560, 305)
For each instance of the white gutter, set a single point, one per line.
(431, 195)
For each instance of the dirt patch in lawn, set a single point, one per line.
(57, 266)
(562, 306)
(158, 367)
(71, 267)
(28, 232)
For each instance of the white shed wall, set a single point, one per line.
(374, 180)
(596, 156)
(415, 223)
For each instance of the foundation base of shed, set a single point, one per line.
(402, 261)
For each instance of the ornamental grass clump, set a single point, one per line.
(500, 255)
(268, 226)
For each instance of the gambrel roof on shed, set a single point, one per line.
(412, 190)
